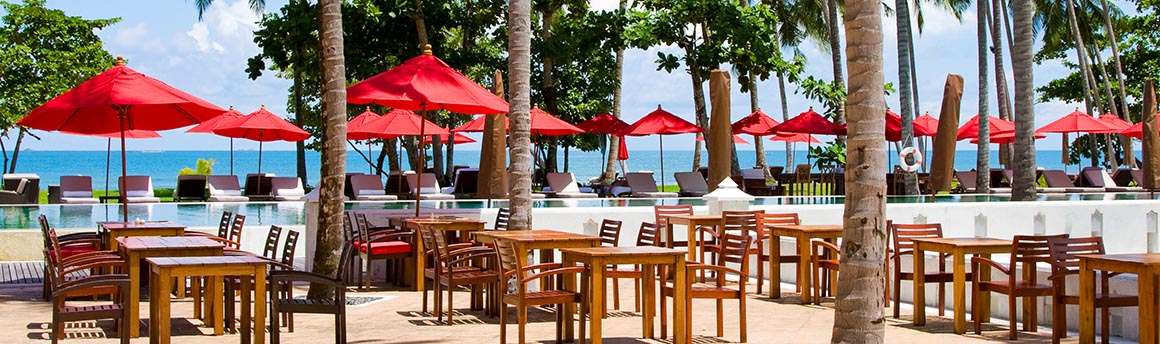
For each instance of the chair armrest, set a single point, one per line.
(302, 276)
(120, 281)
(87, 255)
(385, 236)
(542, 266)
(224, 241)
(120, 264)
(553, 272)
(721, 269)
(818, 247)
(976, 261)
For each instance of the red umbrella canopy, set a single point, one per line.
(354, 128)
(129, 134)
(808, 122)
(894, 128)
(971, 129)
(96, 105)
(660, 122)
(807, 138)
(736, 139)
(426, 82)
(1007, 137)
(757, 124)
(622, 153)
(476, 126)
(401, 122)
(1114, 121)
(262, 126)
(1077, 122)
(211, 124)
(1136, 130)
(545, 124)
(604, 123)
(459, 138)
(927, 121)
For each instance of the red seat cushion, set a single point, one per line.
(69, 251)
(387, 247)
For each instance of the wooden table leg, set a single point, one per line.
(420, 265)
(134, 304)
(805, 270)
(774, 266)
(217, 299)
(960, 282)
(1087, 303)
(569, 283)
(648, 295)
(260, 304)
(984, 298)
(245, 288)
(596, 301)
(159, 327)
(919, 291)
(681, 333)
(1147, 292)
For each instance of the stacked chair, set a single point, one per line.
(69, 273)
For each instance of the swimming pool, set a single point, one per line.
(294, 213)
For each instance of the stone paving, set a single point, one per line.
(397, 318)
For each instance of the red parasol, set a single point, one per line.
(1136, 130)
(971, 128)
(622, 153)
(1114, 121)
(354, 128)
(210, 125)
(736, 139)
(602, 124)
(808, 122)
(927, 121)
(807, 138)
(459, 138)
(117, 100)
(426, 83)
(660, 122)
(1077, 122)
(894, 128)
(1006, 138)
(756, 124)
(262, 126)
(542, 123)
(400, 122)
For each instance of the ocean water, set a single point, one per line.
(164, 165)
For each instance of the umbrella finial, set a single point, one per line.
(120, 61)
(658, 106)
(427, 50)
(231, 107)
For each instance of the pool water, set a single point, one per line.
(294, 213)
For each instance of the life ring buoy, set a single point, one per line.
(917, 155)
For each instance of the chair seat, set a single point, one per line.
(933, 277)
(91, 309)
(1105, 300)
(69, 251)
(386, 247)
(704, 291)
(472, 276)
(323, 306)
(544, 297)
(1021, 287)
(831, 264)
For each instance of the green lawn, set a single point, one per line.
(165, 194)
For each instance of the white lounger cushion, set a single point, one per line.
(76, 194)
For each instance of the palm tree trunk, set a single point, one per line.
(330, 205)
(613, 140)
(1023, 185)
(391, 148)
(1108, 107)
(698, 106)
(859, 307)
(519, 74)
(785, 117)
(983, 161)
(1081, 55)
(1129, 152)
(902, 22)
(300, 146)
(836, 56)
(758, 143)
(1000, 73)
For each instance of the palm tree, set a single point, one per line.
(797, 20)
(1129, 153)
(836, 55)
(858, 313)
(902, 21)
(613, 140)
(1023, 185)
(983, 161)
(333, 166)
(1004, 102)
(519, 81)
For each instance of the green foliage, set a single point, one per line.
(832, 155)
(204, 168)
(43, 53)
(831, 95)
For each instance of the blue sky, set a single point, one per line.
(207, 58)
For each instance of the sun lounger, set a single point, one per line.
(31, 182)
(17, 195)
(1097, 177)
(77, 190)
(287, 189)
(466, 181)
(258, 186)
(225, 189)
(430, 189)
(138, 189)
(753, 182)
(1123, 177)
(691, 183)
(967, 181)
(367, 187)
(190, 187)
(1057, 179)
(644, 185)
(563, 185)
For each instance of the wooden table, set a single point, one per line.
(116, 229)
(544, 240)
(1145, 266)
(461, 227)
(596, 258)
(803, 234)
(134, 249)
(164, 269)
(958, 248)
(691, 223)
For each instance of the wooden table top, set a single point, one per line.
(425, 220)
(131, 225)
(147, 243)
(607, 251)
(965, 242)
(808, 228)
(538, 235)
(206, 261)
(1135, 258)
(695, 217)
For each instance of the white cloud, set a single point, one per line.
(200, 35)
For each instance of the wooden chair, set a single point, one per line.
(901, 245)
(381, 245)
(502, 217)
(610, 236)
(649, 235)
(334, 304)
(286, 291)
(63, 249)
(735, 250)
(62, 313)
(1028, 250)
(824, 257)
(455, 266)
(762, 257)
(1065, 263)
(522, 298)
(661, 211)
(738, 222)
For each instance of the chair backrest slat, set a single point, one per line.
(291, 246)
(270, 250)
(742, 222)
(1065, 250)
(648, 235)
(735, 250)
(501, 219)
(236, 227)
(224, 225)
(661, 211)
(902, 234)
(508, 261)
(610, 232)
(1031, 249)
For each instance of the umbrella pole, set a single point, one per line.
(231, 156)
(260, 152)
(121, 186)
(370, 165)
(419, 176)
(108, 161)
(662, 140)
